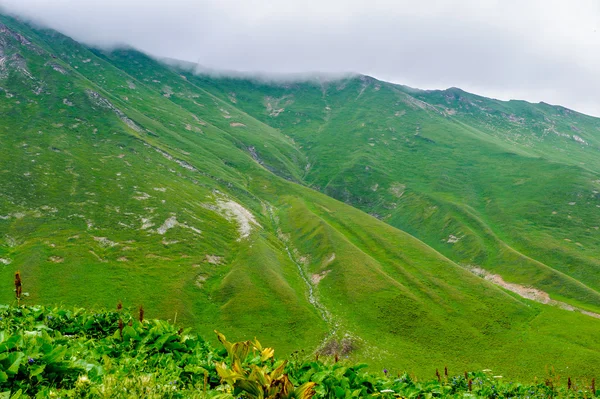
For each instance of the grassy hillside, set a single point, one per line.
(244, 206)
(508, 186)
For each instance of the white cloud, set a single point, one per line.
(530, 49)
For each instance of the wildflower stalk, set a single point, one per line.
(141, 314)
(18, 285)
(121, 328)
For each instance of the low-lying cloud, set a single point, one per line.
(538, 50)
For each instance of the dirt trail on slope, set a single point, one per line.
(528, 292)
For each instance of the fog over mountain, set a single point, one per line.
(534, 50)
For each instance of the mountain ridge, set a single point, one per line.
(315, 76)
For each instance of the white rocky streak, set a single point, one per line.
(330, 259)
(213, 259)
(452, 239)
(231, 210)
(181, 163)
(195, 230)
(105, 242)
(141, 196)
(168, 224)
(146, 223)
(172, 222)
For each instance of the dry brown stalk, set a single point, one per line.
(18, 285)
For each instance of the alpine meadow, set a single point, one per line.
(338, 217)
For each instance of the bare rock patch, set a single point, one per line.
(168, 224)
(213, 259)
(200, 281)
(105, 242)
(316, 278)
(397, 189)
(452, 239)
(233, 211)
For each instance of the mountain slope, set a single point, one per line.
(512, 187)
(127, 179)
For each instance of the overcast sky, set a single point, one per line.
(537, 50)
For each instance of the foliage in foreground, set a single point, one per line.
(52, 352)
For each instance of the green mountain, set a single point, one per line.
(386, 224)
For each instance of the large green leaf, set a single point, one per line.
(35, 370)
(160, 342)
(9, 343)
(252, 388)
(339, 392)
(129, 334)
(17, 395)
(14, 360)
(56, 355)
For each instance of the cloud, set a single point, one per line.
(538, 50)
